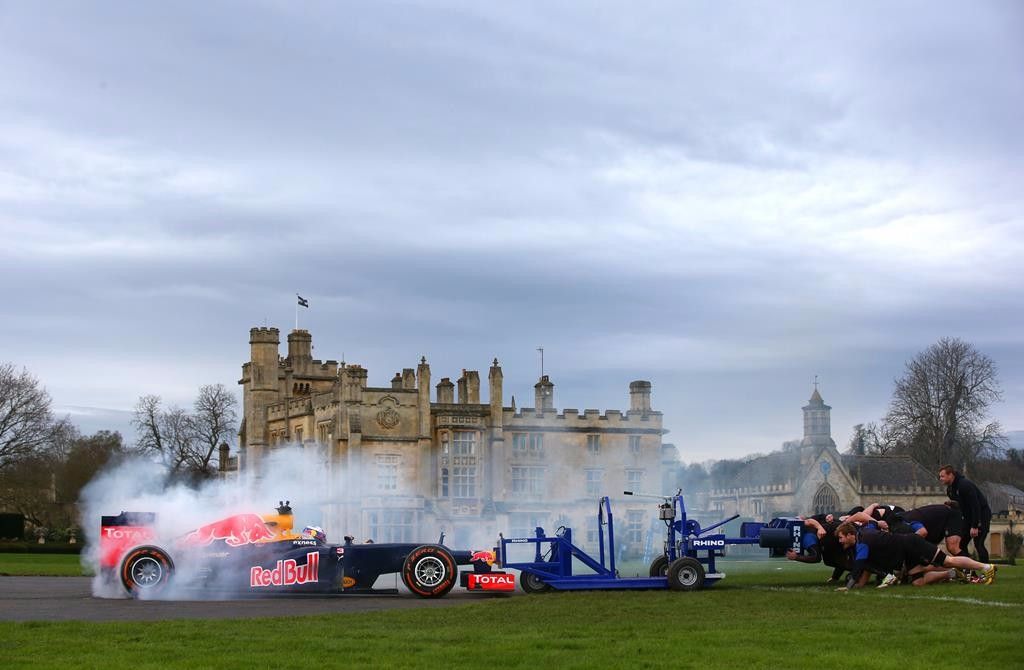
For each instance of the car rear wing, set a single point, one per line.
(120, 533)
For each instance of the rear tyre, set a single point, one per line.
(659, 566)
(531, 583)
(685, 574)
(146, 571)
(429, 571)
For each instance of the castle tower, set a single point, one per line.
(260, 376)
(300, 349)
(817, 423)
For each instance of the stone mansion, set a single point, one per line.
(410, 459)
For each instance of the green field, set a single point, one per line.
(61, 565)
(764, 615)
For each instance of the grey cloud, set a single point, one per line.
(724, 200)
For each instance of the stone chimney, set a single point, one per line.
(396, 382)
(544, 395)
(445, 391)
(472, 387)
(408, 379)
(225, 455)
(640, 396)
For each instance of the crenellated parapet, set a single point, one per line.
(767, 489)
(264, 335)
(572, 419)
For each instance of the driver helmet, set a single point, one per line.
(314, 533)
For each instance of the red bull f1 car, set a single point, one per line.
(261, 554)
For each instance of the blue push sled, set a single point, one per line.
(687, 562)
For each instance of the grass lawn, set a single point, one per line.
(60, 565)
(764, 615)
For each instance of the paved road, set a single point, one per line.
(70, 598)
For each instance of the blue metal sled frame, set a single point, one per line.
(684, 537)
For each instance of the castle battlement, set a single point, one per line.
(611, 417)
(290, 407)
(264, 335)
(767, 489)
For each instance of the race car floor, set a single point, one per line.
(70, 599)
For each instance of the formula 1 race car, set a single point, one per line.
(254, 554)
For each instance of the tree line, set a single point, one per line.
(45, 461)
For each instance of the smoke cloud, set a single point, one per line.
(137, 485)
(294, 473)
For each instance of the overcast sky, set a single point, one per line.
(724, 201)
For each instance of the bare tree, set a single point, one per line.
(214, 423)
(186, 443)
(939, 407)
(166, 434)
(25, 418)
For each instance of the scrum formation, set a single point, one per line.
(899, 546)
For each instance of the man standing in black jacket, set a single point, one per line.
(973, 507)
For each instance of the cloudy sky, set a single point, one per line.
(724, 201)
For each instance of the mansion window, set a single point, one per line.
(634, 479)
(634, 444)
(387, 472)
(298, 433)
(323, 432)
(595, 481)
(528, 481)
(594, 444)
(634, 528)
(464, 443)
(757, 507)
(523, 524)
(592, 534)
(391, 525)
(464, 481)
(528, 444)
(463, 464)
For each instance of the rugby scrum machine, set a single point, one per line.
(687, 562)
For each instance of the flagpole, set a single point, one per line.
(296, 311)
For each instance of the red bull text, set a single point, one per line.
(287, 573)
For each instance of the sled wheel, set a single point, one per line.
(685, 574)
(659, 566)
(145, 571)
(531, 583)
(429, 571)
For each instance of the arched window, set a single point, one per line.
(826, 500)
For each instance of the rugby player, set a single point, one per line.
(891, 552)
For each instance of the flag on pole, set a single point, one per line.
(302, 301)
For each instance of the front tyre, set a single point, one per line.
(659, 566)
(685, 574)
(146, 571)
(531, 583)
(429, 571)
